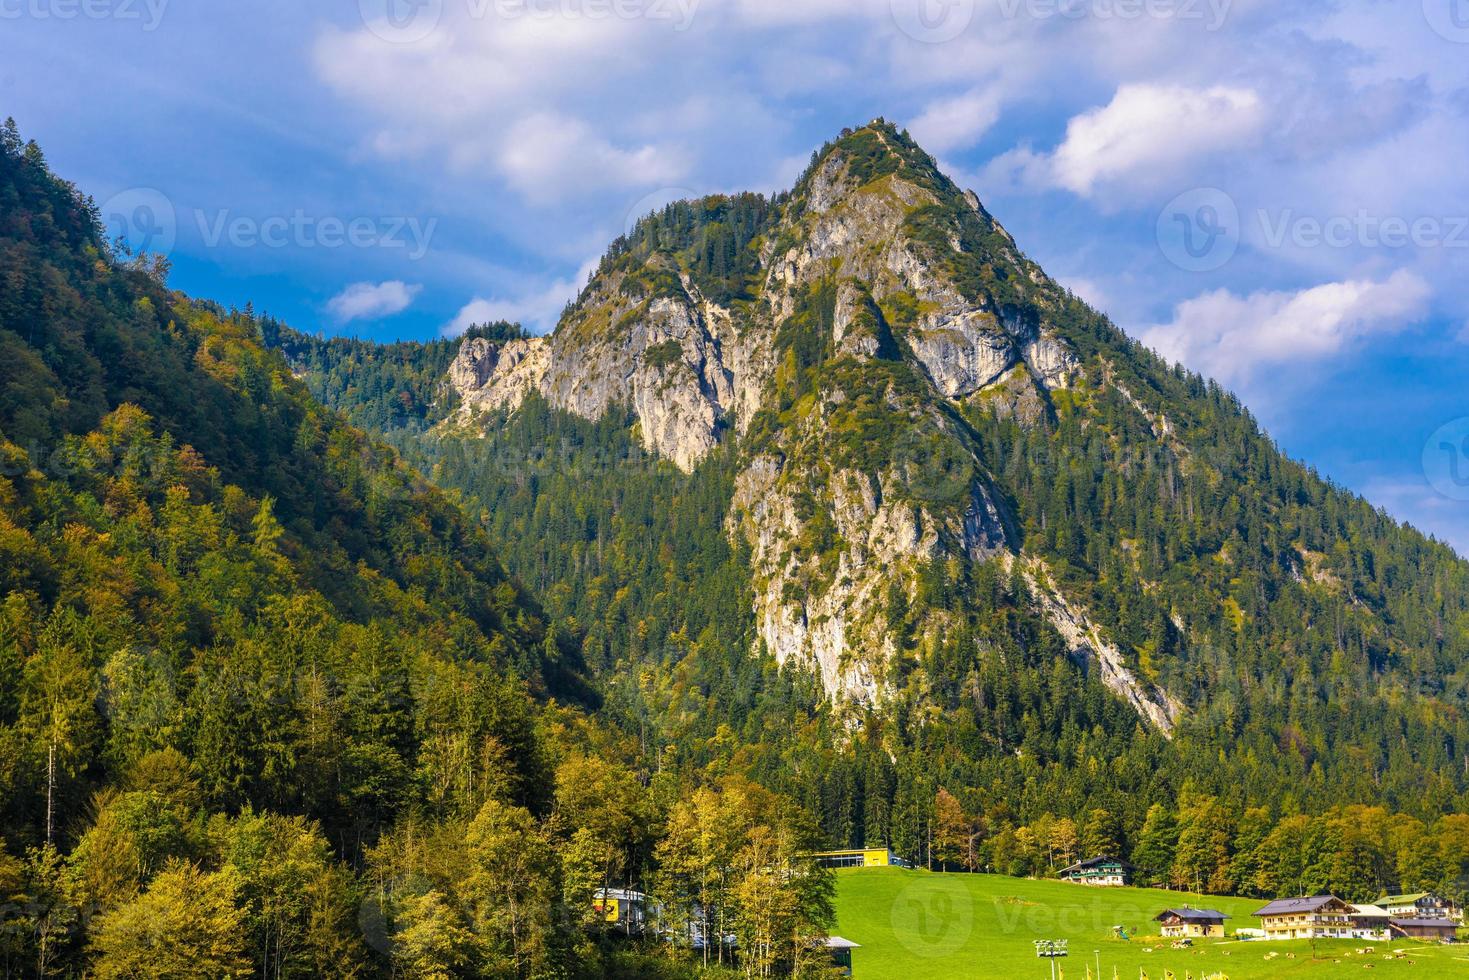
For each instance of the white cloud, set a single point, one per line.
(1232, 337)
(785, 12)
(537, 310)
(548, 156)
(529, 96)
(473, 65)
(1150, 128)
(547, 127)
(1020, 170)
(957, 122)
(372, 301)
(461, 92)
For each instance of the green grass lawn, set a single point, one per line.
(914, 925)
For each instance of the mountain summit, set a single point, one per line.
(837, 335)
(671, 321)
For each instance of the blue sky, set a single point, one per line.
(1276, 194)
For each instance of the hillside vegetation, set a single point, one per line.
(269, 703)
(1316, 650)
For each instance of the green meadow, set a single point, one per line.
(915, 925)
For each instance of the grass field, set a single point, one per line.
(915, 925)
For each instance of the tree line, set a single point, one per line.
(1357, 852)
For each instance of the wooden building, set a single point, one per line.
(1104, 871)
(1370, 922)
(1433, 930)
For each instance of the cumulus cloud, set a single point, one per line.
(957, 122)
(1017, 171)
(1150, 128)
(372, 301)
(492, 90)
(537, 309)
(1232, 337)
(544, 154)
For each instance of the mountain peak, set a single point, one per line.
(830, 340)
(874, 252)
(862, 156)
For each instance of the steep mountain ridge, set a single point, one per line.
(880, 298)
(853, 430)
(865, 217)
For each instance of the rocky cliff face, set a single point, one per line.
(1090, 646)
(880, 302)
(676, 359)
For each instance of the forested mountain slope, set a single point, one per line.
(169, 484)
(854, 431)
(269, 703)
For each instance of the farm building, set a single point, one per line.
(1192, 923)
(1419, 905)
(1370, 922)
(1316, 917)
(1441, 930)
(862, 857)
(1107, 871)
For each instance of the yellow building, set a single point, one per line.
(1189, 923)
(864, 857)
(622, 907)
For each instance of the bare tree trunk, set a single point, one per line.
(50, 789)
(708, 929)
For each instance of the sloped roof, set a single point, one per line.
(1402, 899)
(1290, 906)
(1094, 862)
(1420, 923)
(621, 894)
(1194, 915)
